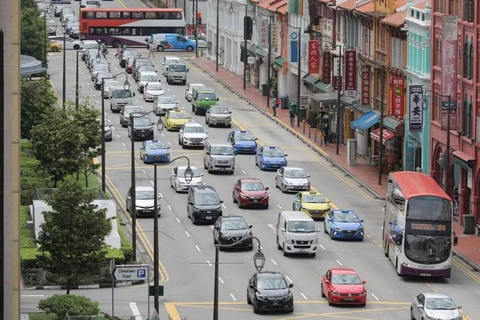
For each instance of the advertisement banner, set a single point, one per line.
(293, 51)
(327, 67)
(366, 83)
(274, 36)
(336, 82)
(415, 108)
(398, 97)
(313, 56)
(449, 57)
(350, 70)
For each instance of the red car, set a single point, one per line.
(129, 65)
(250, 192)
(343, 286)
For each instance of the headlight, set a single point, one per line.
(363, 293)
(289, 241)
(315, 241)
(224, 236)
(259, 296)
(334, 292)
(337, 229)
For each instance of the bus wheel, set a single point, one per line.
(386, 248)
(116, 44)
(189, 48)
(160, 48)
(396, 266)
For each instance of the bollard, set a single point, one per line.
(315, 135)
(303, 125)
(309, 131)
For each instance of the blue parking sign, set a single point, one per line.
(141, 273)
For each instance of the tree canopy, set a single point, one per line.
(32, 33)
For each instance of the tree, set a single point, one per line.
(37, 99)
(56, 143)
(32, 34)
(28, 4)
(61, 305)
(86, 120)
(73, 234)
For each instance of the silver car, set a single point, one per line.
(144, 199)
(218, 115)
(178, 180)
(189, 90)
(292, 179)
(125, 114)
(435, 306)
(162, 105)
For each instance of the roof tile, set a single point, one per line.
(282, 9)
(348, 5)
(366, 8)
(396, 19)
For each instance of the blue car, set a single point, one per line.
(154, 151)
(270, 158)
(243, 141)
(343, 224)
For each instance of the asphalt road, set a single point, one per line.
(187, 251)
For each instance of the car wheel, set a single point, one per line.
(204, 165)
(321, 290)
(248, 299)
(183, 145)
(411, 314)
(55, 49)
(279, 247)
(189, 48)
(283, 249)
(184, 82)
(206, 120)
(194, 221)
(179, 141)
(160, 48)
(386, 249)
(329, 301)
(255, 309)
(193, 108)
(233, 198)
(324, 228)
(284, 190)
(214, 241)
(76, 47)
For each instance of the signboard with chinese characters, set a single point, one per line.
(336, 82)
(336, 74)
(398, 97)
(449, 55)
(444, 120)
(366, 83)
(415, 108)
(262, 32)
(274, 36)
(327, 67)
(313, 56)
(350, 70)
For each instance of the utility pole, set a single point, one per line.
(218, 35)
(269, 62)
(245, 54)
(133, 207)
(382, 98)
(339, 102)
(299, 79)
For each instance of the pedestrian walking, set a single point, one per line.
(325, 131)
(292, 117)
(274, 106)
(123, 47)
(150, 50)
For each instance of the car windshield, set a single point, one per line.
(301, 226)
(234, 224)
(165, 100)
(149, 78)
(142, 121)
(206, 199)
(171, 61)
(144, 195)
(127, 110)
(128, 53)
(100, 67)
(346, 279)
(222, 151)
(155, 86)
(122, 94)
(146, 68)
(207, 96)
(194, 129)
(111, 83)
(90, 45)
(244, 136)
(252, 186)
(295, 173)
(272, 152)
(181, 172)
(346, 217)
(102, 74)
(314, 198)
(440, 304)
(178, 115)
(145, 62)
(271, 283)
(177, 68)
(157, 145)
(219, 110)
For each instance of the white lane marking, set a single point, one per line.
(173, 95)
(322, 247)
(188, 234)
(178, 220)
(118, 136)
(144, 172)
(198, 248)
(209, 263)
(134, 308)
(162, 134)
(170, 207)
(233, 297)
(160, 194)
(273, 261)
(136, 101)
(124, 144)
(244, 172)
(271, 227)
(169, 143)
(304, 296)
(381, 227)
(289, 280)
(341, 265)
(152, 183)
(279, 206)
(375, 297)
(224, 206)
(221, 280)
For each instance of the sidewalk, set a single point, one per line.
(363, 173)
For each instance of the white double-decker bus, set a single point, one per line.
(418, 232)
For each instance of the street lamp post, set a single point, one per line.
(258, 261)
(380, 138)
(64, 78)
(196, 28)
(245, 54)
(299, 80)
(76, 81)
(217, 35)
(269, 62)
(339, 104)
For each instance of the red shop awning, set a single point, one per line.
(387, 134)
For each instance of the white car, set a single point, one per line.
(433, 305)
(189, 90)
(292, 179)
(178, 181)
(70, 44)
(167, 60)
(162, 105)
(144, 201)
(110, 83)
(192, 134)
(152, 90)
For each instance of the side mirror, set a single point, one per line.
(186, 89)
(290, 285)
(419, 306)
(230, 112)
(266, 188)
(206, 131)
(202, 174)
(153, 123)
(327, 281)
(250, 227)
(285, 155)
(206, 152)
(189, 202)
(251, 286)
(221, 201)
(282, 229)
(455, 241)
(218, 99)
(168, 148)
(308, 176)
(128, 198)
(459, 307)
(188, 69)
(362, 220)
(133, 93)
(318, 230)
(174, 175)
(255, 139)
(363, 282)
(217, 227)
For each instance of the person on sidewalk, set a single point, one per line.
(292, 118)
(274, 106)
(325, 132)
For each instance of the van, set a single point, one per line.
(170, 41)
(296, 233)
(202, 99)
(177, 73)
(120, 97)
(218, 156)
(203, 204)
(167, 60)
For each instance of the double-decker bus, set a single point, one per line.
(418, 226)
(129, 25)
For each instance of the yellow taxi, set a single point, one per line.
(312, 203)
(54, 46)
(175, 119)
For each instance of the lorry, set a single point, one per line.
(177, 73)
(120, 97)
(202, 99)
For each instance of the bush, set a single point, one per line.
(74, 305)
(125, 244)
(31, 176)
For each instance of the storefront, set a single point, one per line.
(256, 64)
(463, 176)
(392, 149)
(281, 66)
(361, 126)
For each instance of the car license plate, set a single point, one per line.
(350, 299)
(208, 218)
(255, 201)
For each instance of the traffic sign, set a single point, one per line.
(152, 289)
(130, 272)
(293, 35)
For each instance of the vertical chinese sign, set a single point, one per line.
(350, 70)
(366, 82)
(263, 33)
(398, 96)
(449, 72)
(327, 67)
(336, 81)
(415, 108)
(313, 56)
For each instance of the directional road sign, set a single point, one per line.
(130, 272)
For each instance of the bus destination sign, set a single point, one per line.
(429, 227)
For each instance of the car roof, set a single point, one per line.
(433, 295)
(343, 211)
(203, 189)
(193, 124)
(147, 72)
(144, 188)
(250, 180)
(176, 111)
(343, 271)
(293, 168)
(267, 274)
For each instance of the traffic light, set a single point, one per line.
(248, 27)
(199, 18)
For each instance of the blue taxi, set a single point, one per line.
(343, 224)
(154, 151)
(243, 141)
(270, 158)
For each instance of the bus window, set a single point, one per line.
(125, 31)
(100, 15)
(89, 15)
(113, 31)
(127, 15)
(150, 15)
(163, 15)
(137, 15)
(178, 16)
(114, 15)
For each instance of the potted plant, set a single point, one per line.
(312, 118)
(273, 86)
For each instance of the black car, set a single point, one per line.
(142, 128)
(203, 204)
(231, 229)
(269, 290)
(122, 58)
